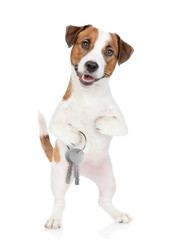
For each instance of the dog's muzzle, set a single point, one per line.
(86, 79)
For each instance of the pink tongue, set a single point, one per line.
(88, 78)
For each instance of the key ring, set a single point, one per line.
(85, 141)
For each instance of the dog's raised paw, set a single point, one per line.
(124, 218)
(52, 224)
(71, 136)
(111, 126)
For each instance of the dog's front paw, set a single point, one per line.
(71, 136)
(53, 224)
(122, 218)
(67, 133)
(110, 125)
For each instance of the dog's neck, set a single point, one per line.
(99, 87)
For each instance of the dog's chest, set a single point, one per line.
(84, 110)
(83, 114)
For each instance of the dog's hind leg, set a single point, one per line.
(59, 188)
(104, 179)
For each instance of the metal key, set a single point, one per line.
(76, 156)
(77, 159)
(70, 167)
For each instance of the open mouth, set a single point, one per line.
(87, 79)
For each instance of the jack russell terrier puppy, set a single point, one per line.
(87, 106)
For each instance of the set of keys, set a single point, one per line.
(74, 157)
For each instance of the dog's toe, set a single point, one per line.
(122, 219)
(52, 224)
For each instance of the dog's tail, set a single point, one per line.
(44, 137)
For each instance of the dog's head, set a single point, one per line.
(95, 53)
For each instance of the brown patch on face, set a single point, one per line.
(91, 34)
(72, 33)
(110, 60)
(68, 92)
(56, 153)
(46, 145)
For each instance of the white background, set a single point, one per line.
(148, 162)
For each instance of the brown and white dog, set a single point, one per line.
(87, 106)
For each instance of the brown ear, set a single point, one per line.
(72, 33)
(124, 51)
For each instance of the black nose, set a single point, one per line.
(91, 66)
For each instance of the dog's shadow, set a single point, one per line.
(109, 230)
(106, 232)
(56, 233)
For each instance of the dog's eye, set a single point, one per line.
(109, 52)
(85, 44)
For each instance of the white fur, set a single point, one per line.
(88, 108)
(66, 133)
(110, 126)
(42, 125)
